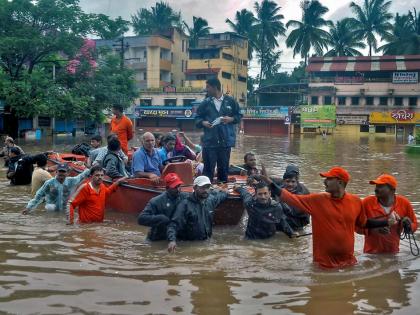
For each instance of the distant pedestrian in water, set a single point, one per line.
(324, 134)
(411, 138)
(40, 174)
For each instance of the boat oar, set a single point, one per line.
(305, 234)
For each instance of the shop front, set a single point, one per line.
(265, 120)
(399, 122)
(317, 118)
(165, 118)
(352, 124)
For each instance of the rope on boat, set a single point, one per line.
(408, 235)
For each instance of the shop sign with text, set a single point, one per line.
(314, 116)
(405, 77)
(266, 112)
(162, 112)
(399, 116)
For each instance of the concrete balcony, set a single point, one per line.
(165, 65)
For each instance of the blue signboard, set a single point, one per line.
(178, 112)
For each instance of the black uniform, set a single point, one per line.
(193, 218)
(263, 218)
(20, 170)
(158, 213)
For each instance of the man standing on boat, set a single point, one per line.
(335, 216)
(90, 197)
(122, 126)
(159, 210)
(57, 190)
(146, 160)
(217, 115)
(383, 204)
(193, 218)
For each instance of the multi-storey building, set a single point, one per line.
(371, 94)
(223, 56)
(158, 60)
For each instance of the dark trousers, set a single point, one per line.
(219, 156)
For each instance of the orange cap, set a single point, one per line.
(337, 172)
(172, 180)
(385, 179)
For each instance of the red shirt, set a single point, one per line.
(91, 203)
(376, 242)
(123, 128)
(333, 225)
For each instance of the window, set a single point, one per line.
(383, 101)
(145, 54)
(412, 101)
(226, 75)
(170, 101)
(245, 62)
(342, 100)
(211, 53)
(172, 57)
(314, 100)
(380, 129)
(355, 101)
(369, 100)
(398, 101)
(182, 82)
(145, 102)
(364, 128)
(187, 101)
(327, 100)
(186, 65)
(241, 79)
(227, 56)
(44, 121)
(182, 65)
(183, 45)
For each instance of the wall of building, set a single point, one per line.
(180, 57)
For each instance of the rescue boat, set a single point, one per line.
(133, 195)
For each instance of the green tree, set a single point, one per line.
(245, 25)
(156, 20)
(199, 29)
(107, 28)
(269, 27)
(404, 38)
(309, 33)
(343, 41)
(372, 19)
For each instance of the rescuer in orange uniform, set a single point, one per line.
(122, 127)
(90, 197)
(335, 215)
(385, 204)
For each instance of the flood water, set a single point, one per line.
(50, 268)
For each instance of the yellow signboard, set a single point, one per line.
(398, 116)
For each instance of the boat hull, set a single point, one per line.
(132, 196)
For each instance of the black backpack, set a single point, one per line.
(81, 149)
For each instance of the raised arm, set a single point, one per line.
(39, 197)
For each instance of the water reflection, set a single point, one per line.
(50, 268)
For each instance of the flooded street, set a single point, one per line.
(50, 268)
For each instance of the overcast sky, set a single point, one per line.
(216, 12)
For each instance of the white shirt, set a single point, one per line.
(218, 102)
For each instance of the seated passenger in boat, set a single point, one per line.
(96, 156)
(249, 168)
(95, 142)
(146, 160)
(113, 163)
(89, 198)
(56, 190)
(20, 167)
(193, 217)
(172, 146)
(296, 219)
(159, 210)
(264, 213)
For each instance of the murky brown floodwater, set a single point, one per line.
(50, 268)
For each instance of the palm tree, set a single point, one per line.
(343, 41)
(308, 33)
(268, 28)
(158, 20)
(107, 28)
(199, 29)
(372, 19)
(404, 38)
(245, 25)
